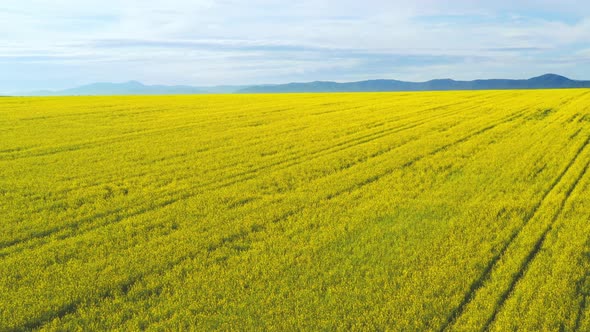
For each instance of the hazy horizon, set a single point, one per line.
(209, 43)
(282, 83)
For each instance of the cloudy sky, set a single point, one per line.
(54, 44)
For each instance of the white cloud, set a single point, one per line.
(278, 41)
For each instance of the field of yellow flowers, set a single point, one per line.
(452, 211)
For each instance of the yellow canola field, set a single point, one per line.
(455, 211)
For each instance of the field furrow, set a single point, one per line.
(379, 211)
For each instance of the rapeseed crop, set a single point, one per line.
(367, 211)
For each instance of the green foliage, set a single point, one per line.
(377, 211)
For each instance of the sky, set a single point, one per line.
(57, 44)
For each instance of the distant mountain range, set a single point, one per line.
(547, 81)
(133, 88)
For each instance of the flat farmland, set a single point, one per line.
(455, 211)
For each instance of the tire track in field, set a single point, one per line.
(225, 110)
(121, 289)
(318, 153)
(246, 175)
(45, 318)
(411, 162)
(72, 227)
(392, 120)
(184, 196)
(230, 239)
(170, 161)
(171, 201)
(120, 137)
(580, 313)
(256, 139)
(74, 146)
(244, 234)
(375, 178)
(486, 274)
(237, 178)
(582, 290)
(358, 186)
(93, 143)
(111, 218)
(350, 143)
(537, 247)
